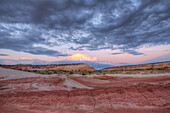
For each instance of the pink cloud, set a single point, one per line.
(24, 58)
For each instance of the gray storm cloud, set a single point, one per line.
(90, 24)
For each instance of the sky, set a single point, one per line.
(101, 33)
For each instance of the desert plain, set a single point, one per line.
(79, 88)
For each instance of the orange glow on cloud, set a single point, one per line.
(23, 58)
(81, 57)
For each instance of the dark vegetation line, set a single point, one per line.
(99, 72)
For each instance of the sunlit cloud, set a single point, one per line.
(24, 58)
(81, 57)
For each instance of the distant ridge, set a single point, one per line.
(66, 67)
(157, 65)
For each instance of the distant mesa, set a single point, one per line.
(65, 67)
(158, 65)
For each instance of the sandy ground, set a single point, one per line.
(37, 84)
(24, 92)
(7, 74)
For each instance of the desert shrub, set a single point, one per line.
(90, 72)
(55, 71)
(35, 70)
(83, 73)
(71, 72)
(160, 83)
(65, 86)
(143, 83)
(74, 87)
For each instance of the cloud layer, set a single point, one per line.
(89, 24)
(3, 55)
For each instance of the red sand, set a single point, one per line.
(118, 96)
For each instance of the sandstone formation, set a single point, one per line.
(159, 65)
(66, 67)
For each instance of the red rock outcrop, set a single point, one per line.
(159, 65)
(66, 67)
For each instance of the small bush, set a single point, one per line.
(65, 86)
(74, 87)
(71, 72)
(83, 73)
(142, 83)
